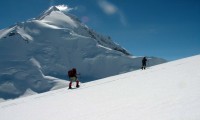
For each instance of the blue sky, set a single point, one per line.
(168, 29)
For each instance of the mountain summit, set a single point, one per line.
(36, 54)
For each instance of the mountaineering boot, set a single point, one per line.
(142, 67)
(70, 85)
(77, 84)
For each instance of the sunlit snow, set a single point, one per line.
(164, 92)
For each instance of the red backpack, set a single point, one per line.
(72, 72)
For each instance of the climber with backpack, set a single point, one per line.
(144, 61)
(72, 74)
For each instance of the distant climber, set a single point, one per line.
(72, 74)
(144, 61)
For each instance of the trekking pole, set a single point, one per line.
(148, 62)
(79, 76)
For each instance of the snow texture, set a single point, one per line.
(36, 54)
(168, 91)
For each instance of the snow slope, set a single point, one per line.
(36, 54)
(168, 91)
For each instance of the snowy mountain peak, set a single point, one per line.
(53, 8)
(63, 20)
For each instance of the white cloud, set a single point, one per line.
(122, 18)
(111, 9)
(107, 7)
(64, 8)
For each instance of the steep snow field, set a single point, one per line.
(169, 91)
